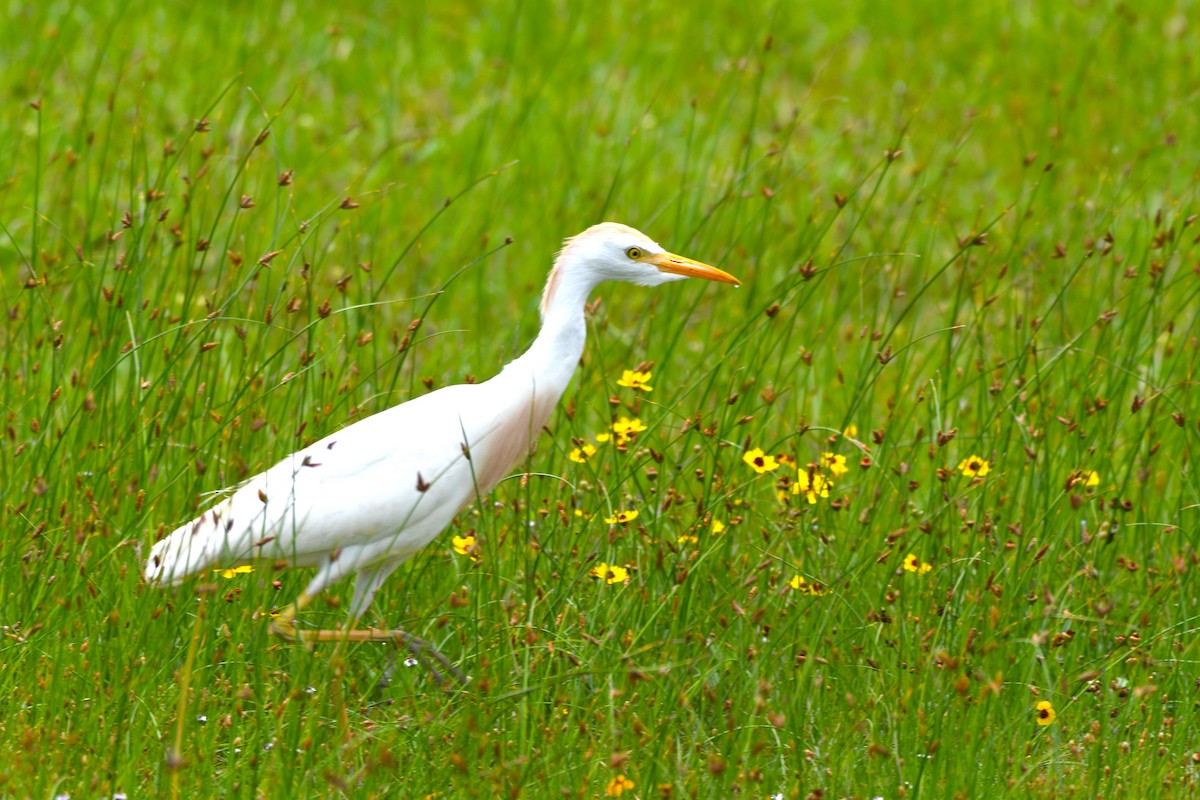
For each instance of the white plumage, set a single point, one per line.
(364, 499)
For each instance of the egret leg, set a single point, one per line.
(367, 584)
(284, 626)
(332, 569)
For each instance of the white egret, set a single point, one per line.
(364, 499)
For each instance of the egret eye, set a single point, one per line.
(634, 253)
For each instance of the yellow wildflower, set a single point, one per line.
(623, 517)
(974, 467)
(632, 379)
(465, 546)
(230, 572)
(851, 430)
(914, 564)
(580, 455)
(811, 486)
(626, 429)
(798, 584)
(610, 574)
(759, 461)
(835, 462)
(718, 526)
(601, 438)
(617, 786)
(687, 538)
(1046, 713)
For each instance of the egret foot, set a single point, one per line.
(385, 679)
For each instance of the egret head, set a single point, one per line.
(615, 252)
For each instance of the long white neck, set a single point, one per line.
(551, 360)
(526, 391)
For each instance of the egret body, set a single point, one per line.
(364, 499)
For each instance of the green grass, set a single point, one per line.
(918, 204)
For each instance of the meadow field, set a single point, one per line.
(911, 513)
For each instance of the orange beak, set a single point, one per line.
(679, 265)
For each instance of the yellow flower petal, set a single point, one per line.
(580, 455)
(632, 379)
(626, 429)
(836, 463)
(610, 574)
(465, 546)
(812, 487)
(820, 488)
(914, 564)
(617, 786)
(799, 584)
(974, 467)
(759, 461)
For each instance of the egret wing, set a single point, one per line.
(399, 475)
